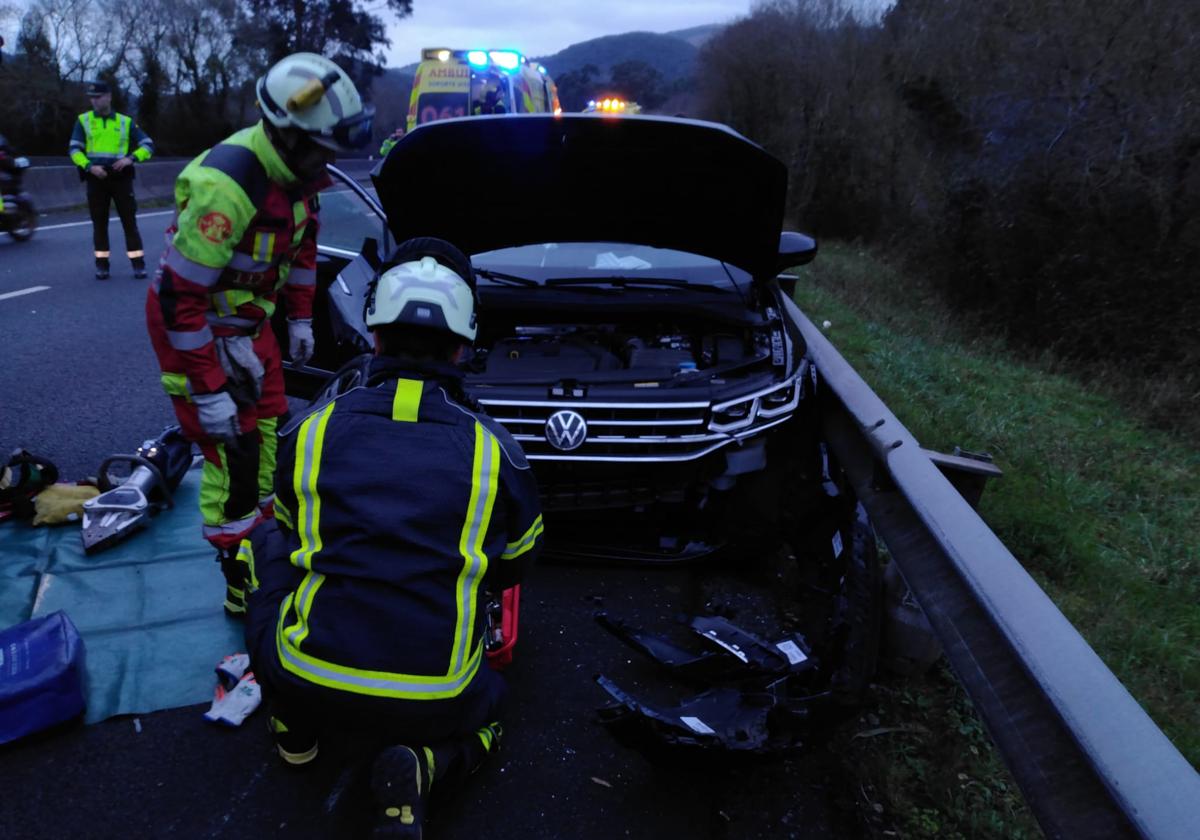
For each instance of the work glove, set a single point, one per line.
(300, 340)
(243, 368)
(61, 503)
(230, 708)
(218, 415)
(231, 670)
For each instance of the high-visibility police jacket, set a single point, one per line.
(99, 141)
(244, 227)
(404, 505)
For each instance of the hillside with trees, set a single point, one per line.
(639, 66)
(1038, 161)
(186, 68)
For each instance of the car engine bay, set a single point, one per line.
(617, 352)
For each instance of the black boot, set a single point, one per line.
(139, 268)
(101, 268)
(236, 574)
(400, 782)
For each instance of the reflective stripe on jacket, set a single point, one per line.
(98, 141)
(244, 228)
(405, 506)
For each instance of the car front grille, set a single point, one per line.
(615, 431)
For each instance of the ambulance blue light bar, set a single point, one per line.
(477, 58)
(506, 59)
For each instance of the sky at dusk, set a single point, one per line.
(535, 27)
(543, 27)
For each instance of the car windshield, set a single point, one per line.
(346, 220)
(606, 260)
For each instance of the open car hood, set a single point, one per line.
(498, 181)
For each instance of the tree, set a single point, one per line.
(348, 31)
(577, 87)
(637, 81)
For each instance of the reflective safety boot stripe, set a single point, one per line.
(407, 402)
(430, 766)
(309, 443)
(135, 255)
(102, 255)
(519, 547)
(485, 480)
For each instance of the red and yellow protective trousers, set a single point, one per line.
(244, 229)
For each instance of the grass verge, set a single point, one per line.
(1099, 507)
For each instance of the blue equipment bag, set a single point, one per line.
(41, 675)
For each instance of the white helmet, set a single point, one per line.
(309, 92)
(424, 292)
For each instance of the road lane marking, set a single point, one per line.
(88, 222)
(141, 215)
(20, 292)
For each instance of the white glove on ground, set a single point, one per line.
(232, 669)
(230, 708)
(300, 340)
(218, 415)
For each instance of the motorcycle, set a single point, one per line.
(19, 218)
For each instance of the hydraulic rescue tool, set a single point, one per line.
(127, 503)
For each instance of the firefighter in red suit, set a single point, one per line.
(245, 229)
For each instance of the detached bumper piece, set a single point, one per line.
(722, 721)
(755, 705)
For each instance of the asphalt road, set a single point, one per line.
(78, 381)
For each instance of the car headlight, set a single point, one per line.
(729, 417)
(743, 412)
(780, 401)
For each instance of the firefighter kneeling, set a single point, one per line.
(398, 504)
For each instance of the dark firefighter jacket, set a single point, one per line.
(403, 506)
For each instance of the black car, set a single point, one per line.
(633, 332)
(637, 338)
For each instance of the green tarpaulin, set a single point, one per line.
(149, 609)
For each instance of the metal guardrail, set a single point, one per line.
(1089, 760)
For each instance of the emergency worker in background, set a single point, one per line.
(246, 227)
(392, 140)
(398, 504)
(100, 144)
(492, 103)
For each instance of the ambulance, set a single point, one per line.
(459, 83)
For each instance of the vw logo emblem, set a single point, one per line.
(566, 430)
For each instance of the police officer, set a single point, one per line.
(246, 227)
(398, 504)
(100, 144)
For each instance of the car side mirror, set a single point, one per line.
(795, 249)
